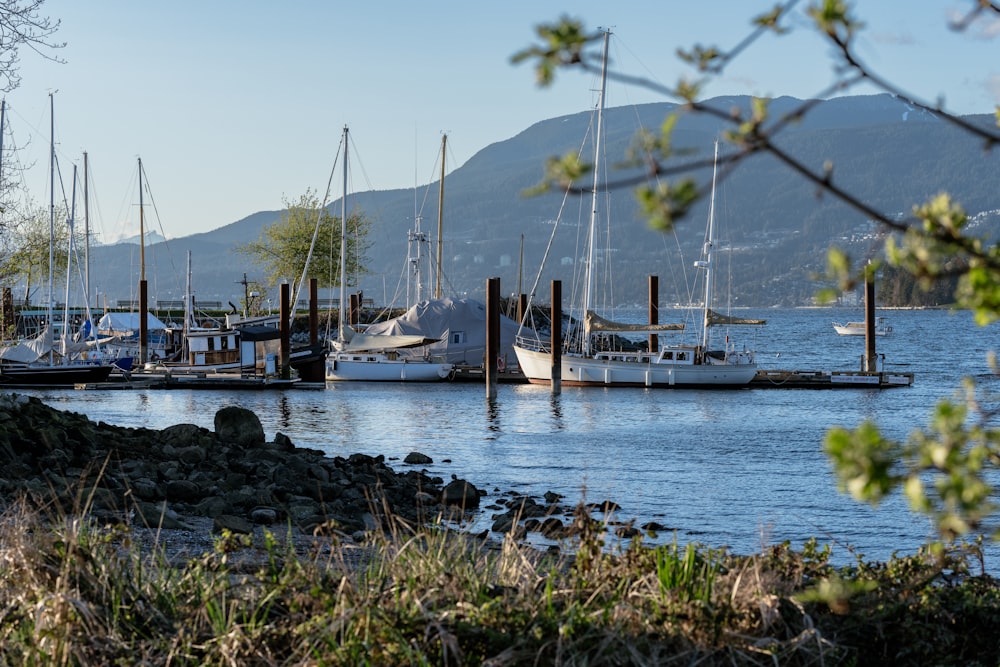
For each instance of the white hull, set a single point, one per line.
(632, 371)
(373, 367)
(858, 329)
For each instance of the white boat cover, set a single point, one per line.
(30, 350)
(457, 325)
(367, 342)
(125, 323)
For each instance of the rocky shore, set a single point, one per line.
(184, 485)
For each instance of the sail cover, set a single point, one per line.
(365, 342)
(713, 318)
(597, 323)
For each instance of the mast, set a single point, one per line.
(598, 137)
(343, 247)
(71, 223)
(417, 238)
(709, 245)
(52, 215)
(86, 233)
(142, 231)
(440, 237)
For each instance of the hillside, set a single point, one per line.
(773, 224)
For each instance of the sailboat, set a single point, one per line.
(588, 361)
(358, 356)
(47, 359)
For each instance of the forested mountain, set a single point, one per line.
(775, 227)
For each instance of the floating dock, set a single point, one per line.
(226, 381)
(508, 375)
(781, 379)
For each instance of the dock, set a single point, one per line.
(224, 381)
(784, 379)
(461, 373)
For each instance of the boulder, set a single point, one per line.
(239, 426)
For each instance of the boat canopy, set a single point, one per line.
(713, 318)
(597, 323)
(125, 323)
(457, 326)
(365, 342)
(30, 350)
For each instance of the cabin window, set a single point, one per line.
(681, 356)
(225, 342)
(668, 355)
(211, 344)
(457, 337)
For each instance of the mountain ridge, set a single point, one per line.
(778, 228)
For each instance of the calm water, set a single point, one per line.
(739, 468)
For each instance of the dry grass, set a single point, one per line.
(75, 593)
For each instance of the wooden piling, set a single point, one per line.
(285, 353)
(492, 336)
(654, 311)
(556, 319)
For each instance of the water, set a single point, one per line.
(741, 468)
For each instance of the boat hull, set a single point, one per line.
(579, 371)
(853, 331)
(67, 375)
(375, 368)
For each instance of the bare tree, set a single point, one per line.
(23, 25)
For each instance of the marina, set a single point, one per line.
(735, 468)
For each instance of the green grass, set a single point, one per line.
(76, 593)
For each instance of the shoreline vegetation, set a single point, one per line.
(185, 546)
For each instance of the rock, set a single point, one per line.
(461, 493)
(182, 489)
(239, 426)
(234, 524)
(263, 515)
(230, 478)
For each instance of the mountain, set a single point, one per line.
(777, 226)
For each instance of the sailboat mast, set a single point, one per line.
(598, 137)
(52, 214)
(86, 234)
(709, 246)
(142, 231)
(440, 237)
(343, 246)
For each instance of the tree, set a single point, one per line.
(307, 228)
(945, 471)
(29, 253)
(21, 24)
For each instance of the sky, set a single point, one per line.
(237, 106)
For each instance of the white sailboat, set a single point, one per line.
(356, 356)
(58, 358)
(585, 363)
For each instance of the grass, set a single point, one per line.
(73, 592)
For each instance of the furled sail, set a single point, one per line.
(597, 323)
(713, 318)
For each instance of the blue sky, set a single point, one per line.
(236, 105)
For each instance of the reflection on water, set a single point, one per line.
(742, 468)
